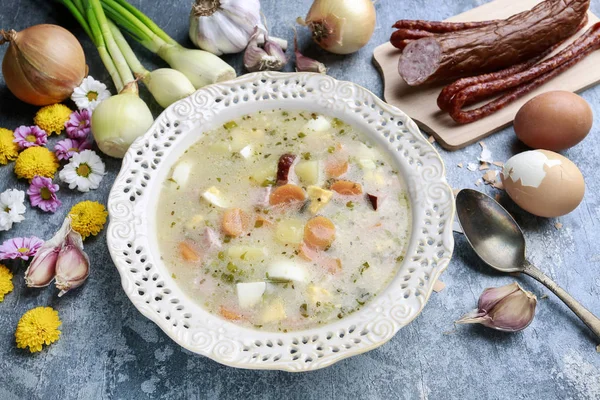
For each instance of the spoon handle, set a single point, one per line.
(583, 313)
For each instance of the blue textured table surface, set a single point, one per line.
(109, 350)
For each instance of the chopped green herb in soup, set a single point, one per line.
(283, 220)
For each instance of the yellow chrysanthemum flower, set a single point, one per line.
(37, 327)
(6, 285)
(9, 150)
(88, 218)
(52, 118)
(36, 161)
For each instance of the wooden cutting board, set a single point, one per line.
(420, 102)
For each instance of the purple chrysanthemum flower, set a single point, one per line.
(65, 148)
(30, 136)
(42, 194)
(79, 124)
(22, 248)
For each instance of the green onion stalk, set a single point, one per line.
(120, 119)
(200, 67)
(167, 85)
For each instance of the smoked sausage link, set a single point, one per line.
(491, 47)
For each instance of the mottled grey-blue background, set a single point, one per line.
(109, 350)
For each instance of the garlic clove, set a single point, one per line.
(254, 54)
(306, 64)
(41, 270)
(274, 50)
(281, 42)
(508, 308)
(515, 312)
(253, 57)
(72, 265)
(269, 58)
(491, 296)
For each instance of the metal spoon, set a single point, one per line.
(499, 242)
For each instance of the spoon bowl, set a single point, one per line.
(491, 231)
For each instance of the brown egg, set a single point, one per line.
(554, 121)
(543, 182)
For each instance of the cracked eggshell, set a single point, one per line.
(543, 183)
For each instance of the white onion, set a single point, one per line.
(200, 67)
(118, 121)
(168, 85)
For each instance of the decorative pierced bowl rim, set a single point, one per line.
(133, 243)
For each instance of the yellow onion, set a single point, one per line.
(43, 64)
(341, 26)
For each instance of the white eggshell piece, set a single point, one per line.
(528, 167)
(472, 167)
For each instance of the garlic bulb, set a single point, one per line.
(508, 308)
(223, 26)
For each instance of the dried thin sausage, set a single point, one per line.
(522, 82)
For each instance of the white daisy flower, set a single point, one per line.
(84, 171)
(11, 208)
(89, 94)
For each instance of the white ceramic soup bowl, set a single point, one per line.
(132, 233)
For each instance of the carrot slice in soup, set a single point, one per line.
(336, 167)
(235, 222)
(286, 194)
(229, 314)
(347, 188)
(319, 232)
(188, 252)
